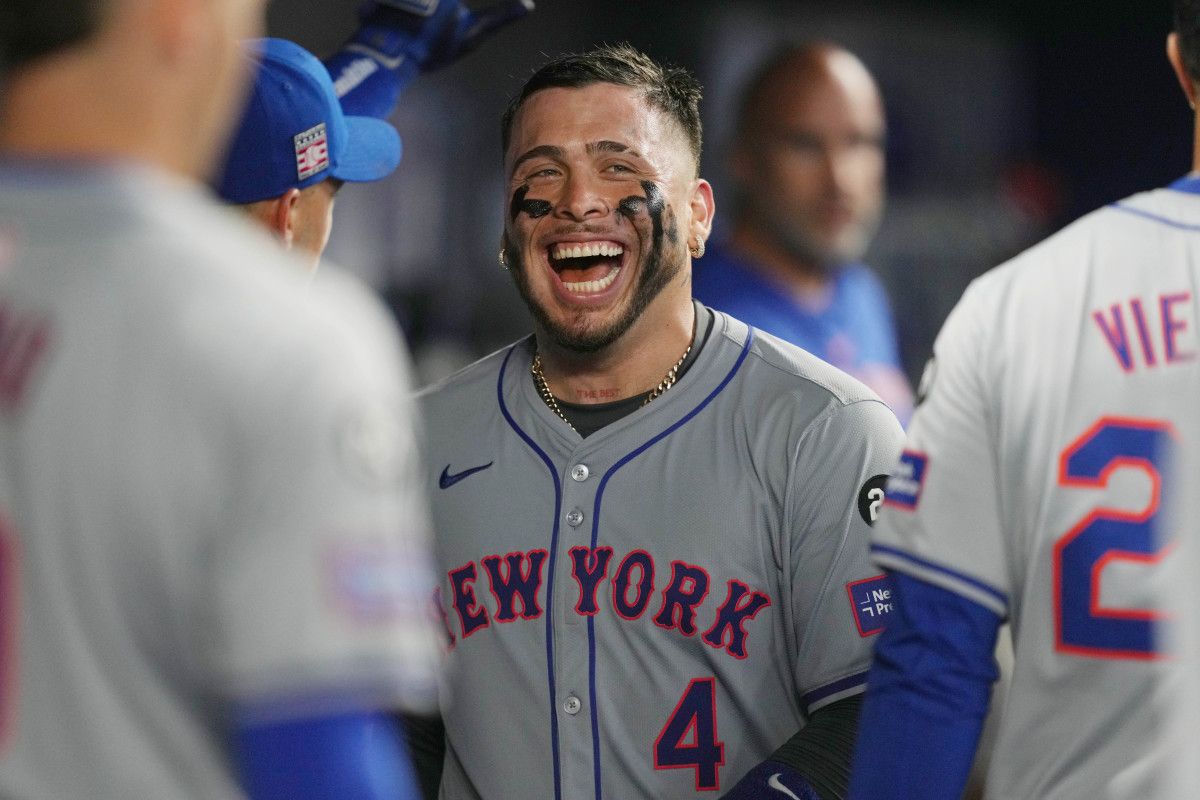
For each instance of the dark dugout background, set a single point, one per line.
(1006, 121)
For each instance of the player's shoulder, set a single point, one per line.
(778, 373)
(477, 379)
(860, 277)
(1100, 239)
(242, 306)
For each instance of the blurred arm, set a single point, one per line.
(355, 755)
(398, 39)
(927, 695)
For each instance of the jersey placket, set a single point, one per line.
(589, 468)
(574, 637)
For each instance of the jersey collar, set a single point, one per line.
(1189, 183)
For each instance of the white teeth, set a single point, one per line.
(586, 250)
(592, 287)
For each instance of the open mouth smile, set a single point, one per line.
(586, 268)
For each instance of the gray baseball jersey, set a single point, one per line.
(199, 461)
(650, 611)
(1033, 477)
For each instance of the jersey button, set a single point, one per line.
(572, 705)
(574, 517)
(580, 472)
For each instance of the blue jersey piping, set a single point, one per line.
(550, 568)
(596, 533)
(958, 576)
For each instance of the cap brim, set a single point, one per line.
(372, 150)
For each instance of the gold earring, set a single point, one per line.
(503, 259)
(697, 250)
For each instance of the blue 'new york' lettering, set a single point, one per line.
(521, 580)
(687, 589)
(515, 581)
(588, 568)
(732, 618)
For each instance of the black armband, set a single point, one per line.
(426, 739)
(822, 749)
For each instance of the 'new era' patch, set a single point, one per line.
(904, 486)
(871, 599)
(312, 151)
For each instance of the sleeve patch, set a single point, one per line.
(905, 484)
(870, 497)
(871, 600)
(373, 583)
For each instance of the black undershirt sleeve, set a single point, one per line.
(822, 749)
(426, 739)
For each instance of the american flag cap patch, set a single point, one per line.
(312, 151)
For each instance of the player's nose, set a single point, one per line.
(582, 199)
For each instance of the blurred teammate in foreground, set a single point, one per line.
(212, 557)
(1032, 488)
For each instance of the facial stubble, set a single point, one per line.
(658, 269)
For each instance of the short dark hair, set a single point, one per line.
(32, 29)
(1187, 27)
(672, 90)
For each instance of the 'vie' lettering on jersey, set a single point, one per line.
(1150, 332)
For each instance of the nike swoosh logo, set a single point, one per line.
(774, 783)
(446, 480)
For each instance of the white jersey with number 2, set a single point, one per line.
(1034, 477)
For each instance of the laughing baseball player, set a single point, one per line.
(652, 520)
(1032, 488)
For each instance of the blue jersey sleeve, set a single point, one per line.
(875, 326)
(927, 695)
(357, 755)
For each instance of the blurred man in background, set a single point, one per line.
(808, 167)
(212, 553)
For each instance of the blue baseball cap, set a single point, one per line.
(294, 134)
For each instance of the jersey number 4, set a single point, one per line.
(1083, 626)
(689, 739)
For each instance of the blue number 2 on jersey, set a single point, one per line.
(1082, 625)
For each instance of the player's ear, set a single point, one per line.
(1181, 73)
(702, 208)
(285, 216)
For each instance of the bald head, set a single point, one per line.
(798, 71)
(808, 158)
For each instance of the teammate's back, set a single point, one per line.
(141, 369)
(211, 527)
(1034, 488)
(1085, 347)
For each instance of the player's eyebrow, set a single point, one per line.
(609, 146)
(547, 150)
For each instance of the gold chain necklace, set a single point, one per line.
(539, 378)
